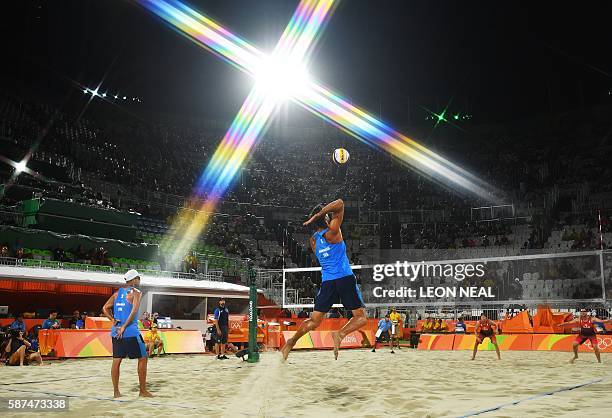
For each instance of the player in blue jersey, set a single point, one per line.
(338, 281)
(127, 341)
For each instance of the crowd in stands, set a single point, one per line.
(542, 167)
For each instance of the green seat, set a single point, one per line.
(31, 263)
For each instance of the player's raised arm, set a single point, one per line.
(336, 208)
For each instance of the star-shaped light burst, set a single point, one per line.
(279, 76)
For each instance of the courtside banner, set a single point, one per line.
(521, 342)
(563, 342)
(436, 342)
(98, 343)
(412, 276)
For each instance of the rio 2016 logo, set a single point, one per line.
(602, 342)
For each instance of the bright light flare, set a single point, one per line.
(281, 78)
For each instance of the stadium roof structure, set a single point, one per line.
(116, 280)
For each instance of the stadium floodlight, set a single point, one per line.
(303, 30)
(20, 167)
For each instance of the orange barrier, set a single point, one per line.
(514, 342)
(564, 343)
(436, 342)
(323, 340)
(519, 324)
(98, 343)
(98, 322)
(547, 321)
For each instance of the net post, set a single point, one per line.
(283, 298)
(603, 275)
(253, 355)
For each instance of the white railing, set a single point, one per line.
(60, 265)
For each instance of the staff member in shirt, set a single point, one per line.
(222, 326)
(396, 326)
(384, 326)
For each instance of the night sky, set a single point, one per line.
(497, 61)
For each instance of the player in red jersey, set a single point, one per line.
(485, 328)
(587, 332)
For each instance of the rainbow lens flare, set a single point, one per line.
(293, 49)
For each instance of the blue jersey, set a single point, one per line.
(121, 311)
(332, 257)
(384, 325)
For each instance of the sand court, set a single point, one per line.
(311, 384)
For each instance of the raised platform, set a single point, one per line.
(531, 342)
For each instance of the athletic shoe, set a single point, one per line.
(392, 352)
(373, 350)
(224, 357)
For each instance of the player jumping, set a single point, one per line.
(338, 281)
(485, 328)
(587, 332)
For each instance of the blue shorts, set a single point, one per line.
(132, 347)
(344, 290)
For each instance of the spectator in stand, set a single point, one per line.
(76, 316)
(80, 255)
(428, 325)
(18, 324)
(52, 322)
(4, 250)
(436, 325)
(146, 320)
(460, 326)
(80, 324)
(443, 327)
(154, 317)
(59, 254)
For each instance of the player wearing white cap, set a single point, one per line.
(127, 341)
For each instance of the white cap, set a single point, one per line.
(131, 275)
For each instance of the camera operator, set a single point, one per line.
(18, 350)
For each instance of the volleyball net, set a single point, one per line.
(556, 279)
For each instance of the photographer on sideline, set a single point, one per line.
(17, 353)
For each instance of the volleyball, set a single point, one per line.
(341, 156)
